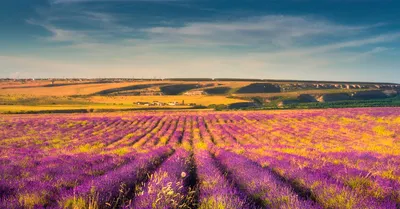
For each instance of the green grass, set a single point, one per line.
(274, 104)
(390, 102)
(42, 100)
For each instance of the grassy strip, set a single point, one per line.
(391, 102)
(274, 105)
(90, 110)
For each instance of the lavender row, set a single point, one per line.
(261, 184)
(327, 190)
(215, 190)
(168, 187)
(104, 190)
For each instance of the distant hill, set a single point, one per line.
(218, 90)
(260, 88)
(178, 86)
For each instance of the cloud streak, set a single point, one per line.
(279, 46)
(272, 30)
(59, 34)
(84, 26)
(275, 33)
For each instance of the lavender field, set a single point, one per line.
(333, 158)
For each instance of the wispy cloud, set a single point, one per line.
(337, 46)
(271, 39)
(272, 30)
(84, 26)
(283, 46)
(59, 34)
(367, 54)
(266, 33)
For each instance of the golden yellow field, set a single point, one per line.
(16, 108)
(27, 108)
(11, 84)
(78, 89)
(38, 88)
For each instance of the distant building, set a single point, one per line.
(194, 93)
(173, 103)
(143, 103)
(157, 103)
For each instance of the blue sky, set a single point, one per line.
(345, 40)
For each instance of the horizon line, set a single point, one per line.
(204, 79)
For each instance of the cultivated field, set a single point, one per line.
(334, 158)
(100, 95)
(42, 96)
(42, 88)
(67, 90)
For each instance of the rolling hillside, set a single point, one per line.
(217, 93)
